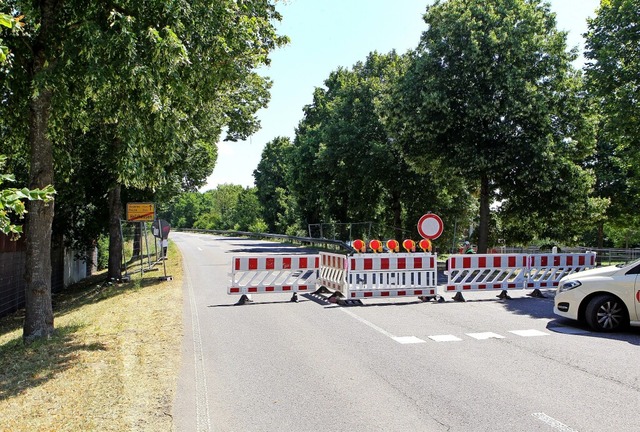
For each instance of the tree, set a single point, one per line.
(491, 95)
(247, 212)
(12, 199)
(613, 78)
(148, 79)
(272, 189)
(345, 166)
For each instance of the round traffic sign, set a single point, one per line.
(430, 226)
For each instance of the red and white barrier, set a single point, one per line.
(504, 272)
(401, 274)
(274, 274)
(473, 272)
(333, 272)
(546, 270)
(392, 275)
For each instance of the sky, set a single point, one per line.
(328, 34)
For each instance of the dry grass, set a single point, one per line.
(112, 365)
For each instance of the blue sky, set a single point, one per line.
(327, 34)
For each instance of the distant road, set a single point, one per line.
(390, 365)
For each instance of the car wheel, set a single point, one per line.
(606, 313)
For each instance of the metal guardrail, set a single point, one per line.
(319, 243)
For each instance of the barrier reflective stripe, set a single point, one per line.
(263, 263)
(392, 275)
(546, 270)
(274, 273)
(487, 272)
(396, 261)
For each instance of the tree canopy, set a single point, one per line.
(491, 93)
(613, 78)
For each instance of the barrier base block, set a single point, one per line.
(322, 290)
(294, 298)
(335, 297)
(503, 295)
(349, 302)
(427, 298)
(459, 297)
(244, 299)
(536, 293)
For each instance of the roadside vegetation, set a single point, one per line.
(111, 365)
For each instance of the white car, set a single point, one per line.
(606, 298)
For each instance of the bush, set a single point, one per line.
(103, 252)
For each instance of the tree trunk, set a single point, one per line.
(115, 239)
(38, 321)
(600, 235)
(483, 230)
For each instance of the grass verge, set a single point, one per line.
(112, 365)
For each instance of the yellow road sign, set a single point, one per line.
(141, 212)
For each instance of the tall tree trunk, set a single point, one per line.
(115, 239)
(483, 230)
(38, 322)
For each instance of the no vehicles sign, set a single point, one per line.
(141, 212)
(430, 226)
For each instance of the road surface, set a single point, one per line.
(392, 364)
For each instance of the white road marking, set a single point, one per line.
(203, 418)
(445, 338)
(553, 422)
(399, 339)
(486, 335)
(528, 333)
(441, 338)
(408, 340)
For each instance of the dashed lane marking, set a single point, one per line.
(486, 335)
(529, 333)
(445, 338)
(408, 340)
(553, 422)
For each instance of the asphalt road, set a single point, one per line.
(392, 364)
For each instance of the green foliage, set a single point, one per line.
(272, 189)
(103, 252)
(143, 92)
(12, 201)
(613, 77)
(344, 166)
(491, 96)
(5, 21)
(228, 207)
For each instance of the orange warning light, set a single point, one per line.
(409, 245)
(359, 246)
(375, 245)
(393, 245)
(425, 245)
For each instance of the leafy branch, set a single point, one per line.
(12, 201)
